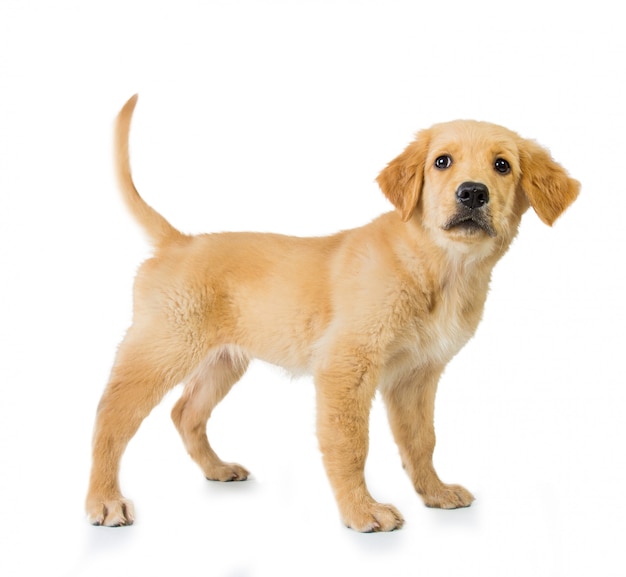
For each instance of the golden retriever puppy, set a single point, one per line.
(382, 307)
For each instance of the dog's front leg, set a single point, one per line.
(410, 407)
(344, 397)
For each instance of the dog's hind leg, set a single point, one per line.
(205, 389)
(146, 367)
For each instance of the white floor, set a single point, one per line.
(547, 492)
(274, 115)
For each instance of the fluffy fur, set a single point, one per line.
(385, 306)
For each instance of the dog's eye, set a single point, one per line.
(443, 162)
(502, 166)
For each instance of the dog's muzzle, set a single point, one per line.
(472, 210)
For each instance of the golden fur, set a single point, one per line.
(385, 306)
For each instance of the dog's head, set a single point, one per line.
(470, 182)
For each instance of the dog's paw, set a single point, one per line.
(448, 497)
(114, 513)
(373, 517)
(227, 472)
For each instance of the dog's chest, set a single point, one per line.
(438, 334)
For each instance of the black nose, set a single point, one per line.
(472, 194)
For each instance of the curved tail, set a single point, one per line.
(158, 228)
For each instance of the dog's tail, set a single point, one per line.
(158, 228)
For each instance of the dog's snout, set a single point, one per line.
(472, 194)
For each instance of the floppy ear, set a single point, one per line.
(547, 185)
(401, 180)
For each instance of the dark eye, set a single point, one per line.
(502, 166)
(443, 162)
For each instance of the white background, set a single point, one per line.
(278, 115)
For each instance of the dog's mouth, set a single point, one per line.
(471, 222)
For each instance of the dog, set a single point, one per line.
(381, 307)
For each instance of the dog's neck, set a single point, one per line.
(448, 270)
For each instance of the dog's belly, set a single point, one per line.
(302, 347)
(282, 335)
(286, 353)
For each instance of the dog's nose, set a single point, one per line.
(472, 194)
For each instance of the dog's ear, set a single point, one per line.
(547, 185)
(401, 180)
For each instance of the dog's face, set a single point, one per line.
(470, 182)
(470, 179)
